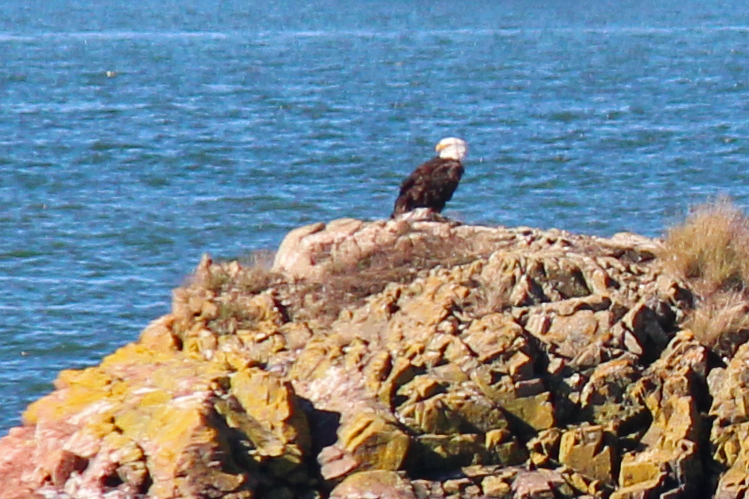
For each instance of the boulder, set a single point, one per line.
(408, 358)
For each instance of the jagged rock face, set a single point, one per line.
(408, 358)
(730, 433)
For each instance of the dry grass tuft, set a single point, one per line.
(233, 315)
(261, 259)
(248, 275)
(219, 295)
(344, 286)
(350, 285)
(711, 248)
(215, 278)
(721, 322)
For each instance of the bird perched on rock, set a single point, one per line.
(432, 184)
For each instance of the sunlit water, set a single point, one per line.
(134, 138)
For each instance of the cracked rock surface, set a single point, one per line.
(406, 358)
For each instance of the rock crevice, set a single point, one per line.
(407, 358)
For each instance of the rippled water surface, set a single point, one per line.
(134, 138)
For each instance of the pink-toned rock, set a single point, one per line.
(378, 484)
(403, 358)
(18, 460)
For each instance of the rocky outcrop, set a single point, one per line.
(407, 358)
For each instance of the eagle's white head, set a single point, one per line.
(452, 148)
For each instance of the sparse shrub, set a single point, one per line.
(215, 279)
(253, 280)
(711, 248)
(343, 286)
(219, 293)
(248, 275)
(233, 315)
(259, 259)
(721, 322)
(350, 285)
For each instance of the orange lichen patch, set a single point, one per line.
(80, 390)
(271, 401)
(509, 361)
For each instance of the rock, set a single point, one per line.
(374, 441)
(169, 425)
(671, 389)
(730, 432)
(539, 484)
(377, 484)
(405, 358)
(734, 483)
(588, 450)
(604, 395)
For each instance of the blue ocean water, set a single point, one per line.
(135, 136)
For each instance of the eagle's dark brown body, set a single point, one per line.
(431, 185)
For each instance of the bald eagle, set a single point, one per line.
(432, 184)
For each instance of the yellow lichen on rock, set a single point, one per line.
(374, 442)
(409, 358)
(588, 450)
